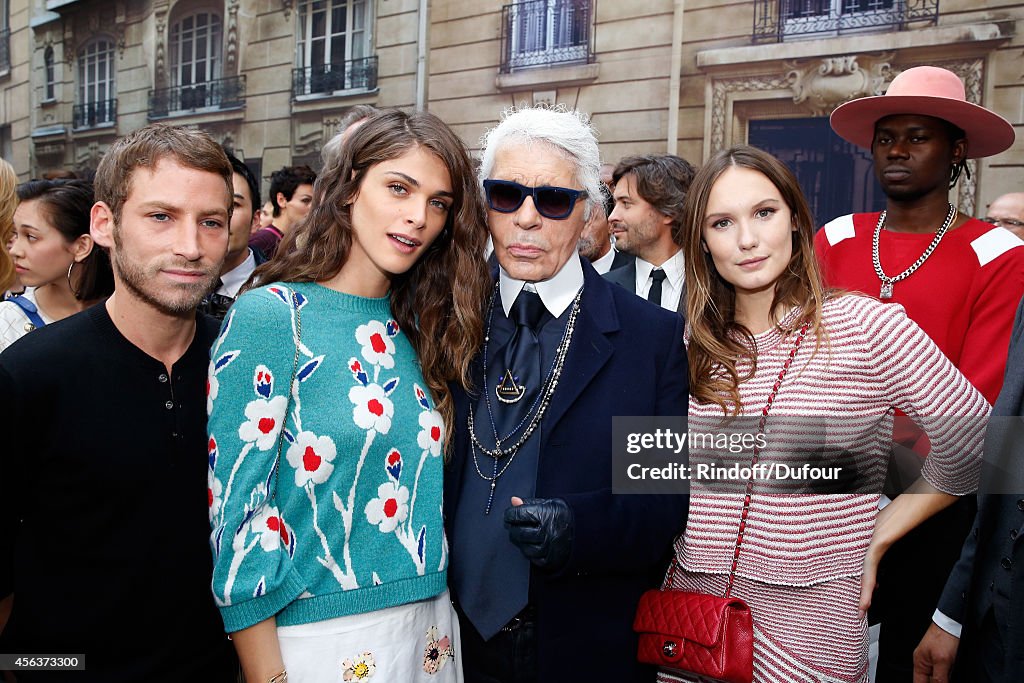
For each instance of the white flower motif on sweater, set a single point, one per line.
(389, 508)
(264, 422)
(214, 489)
(373, 409)
(311, 456)
(431, 435)
(378, 345)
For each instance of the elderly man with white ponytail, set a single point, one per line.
(547, 564)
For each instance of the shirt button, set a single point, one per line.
(1020, 504)
(162, 377)
(1013, 534)
(1006, 563)
(169, 405)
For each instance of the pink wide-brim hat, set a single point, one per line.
(925, 91)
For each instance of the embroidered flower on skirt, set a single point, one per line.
(437, 652)
(358, 668)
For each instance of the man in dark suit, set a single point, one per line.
(547, 564)
(981, 611)
(649, 194)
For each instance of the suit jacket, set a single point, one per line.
(621, 260)
(965, 597)
(625, 276)
(627, 358)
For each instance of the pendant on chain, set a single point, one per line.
(508, 390)
(886, 292)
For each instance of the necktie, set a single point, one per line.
(654, 294)
(521, 359)
(490, 576)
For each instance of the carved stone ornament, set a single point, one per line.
(160, 75)
(824, 85)
(87, 158)
(721, 88)
(287, 6)
(231, 49)
(120, 23)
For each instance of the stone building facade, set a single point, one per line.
(272, 78)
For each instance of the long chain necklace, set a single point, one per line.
(888, 282)
(533, 416)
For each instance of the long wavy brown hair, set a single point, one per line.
(437, 302)
(8, 203)
(718, 343)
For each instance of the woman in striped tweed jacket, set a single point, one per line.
(758, 311)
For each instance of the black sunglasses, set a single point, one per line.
(551, 202)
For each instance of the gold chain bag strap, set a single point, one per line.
(695, 633)
(291, 382)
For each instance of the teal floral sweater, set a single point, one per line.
(348, 520)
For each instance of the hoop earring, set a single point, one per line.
(74, 291)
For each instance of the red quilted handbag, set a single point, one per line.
(708, 636)
(695, 633)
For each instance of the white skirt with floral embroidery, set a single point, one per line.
(414, 642)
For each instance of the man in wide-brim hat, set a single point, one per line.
(958, 277)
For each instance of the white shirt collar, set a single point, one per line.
(604, 264)
(556, 292)
(236, 277)
(673, 271)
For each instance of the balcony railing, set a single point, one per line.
(222, 93)
(5, 50)
(779, 20)
(94, 114)
(320, 79)
(545, 33)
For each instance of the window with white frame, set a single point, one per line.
(196, 41)
(96, 82)
(543, 32)
(333, 50)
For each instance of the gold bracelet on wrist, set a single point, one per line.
(279, 678)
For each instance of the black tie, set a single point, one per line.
(522, 359)
(654, 295)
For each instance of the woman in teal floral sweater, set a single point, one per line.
(329, 413)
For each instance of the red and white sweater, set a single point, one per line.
(838, 398)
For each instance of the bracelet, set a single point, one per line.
(279, 678)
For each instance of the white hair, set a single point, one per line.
(567, 131)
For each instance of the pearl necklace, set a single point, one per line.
(534, 414)
(888, 282)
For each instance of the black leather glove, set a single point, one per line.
(543, 530)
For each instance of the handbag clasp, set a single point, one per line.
(670, 648)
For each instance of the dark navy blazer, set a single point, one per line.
(994, 545)
(627, 358)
